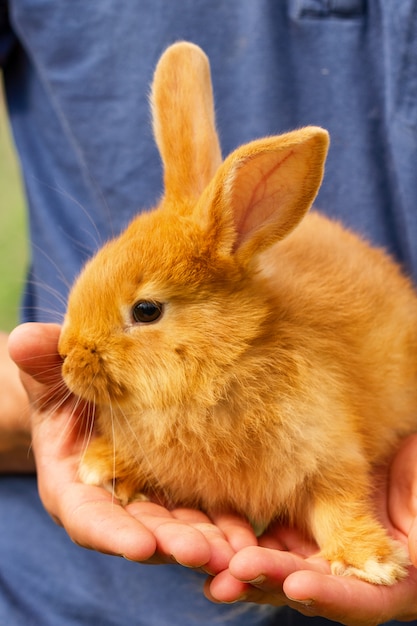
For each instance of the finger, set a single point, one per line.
(257, 574)
(33, 347)
(226, 533)
(349, 600)
(247, 584)
(288, 539)
(412, 542)
(221, 550)
(402, 500)
(267, 569)
(177, 540)
(224, 588)
(94, 520)
(58, 420)
(237, 530)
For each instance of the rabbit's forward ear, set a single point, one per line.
(184, 122)
(263, 190)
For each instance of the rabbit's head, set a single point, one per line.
(163, 314)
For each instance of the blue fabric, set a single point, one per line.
(77, 77)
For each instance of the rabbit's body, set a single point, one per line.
(283, 366)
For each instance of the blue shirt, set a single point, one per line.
(77, 78)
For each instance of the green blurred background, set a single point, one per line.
(13, 241)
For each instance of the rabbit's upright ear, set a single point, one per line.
(184, 121)
(263, 190)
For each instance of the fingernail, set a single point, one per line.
(177, 562)
(258, 580)
(303, 602)
(241, 598)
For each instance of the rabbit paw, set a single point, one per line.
(124, 490)
(384, 571)
(99, 466)
(94, 474)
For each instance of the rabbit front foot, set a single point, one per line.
(379, 571)
(344, 524)
(362, 548)
(99, 467)
(120, 489)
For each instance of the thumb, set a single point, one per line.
(33, 347)
(412, 542)
(402, 500)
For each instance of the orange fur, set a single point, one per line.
(284, 365)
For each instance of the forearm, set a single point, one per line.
(15, 437)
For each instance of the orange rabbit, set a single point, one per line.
(242, 353)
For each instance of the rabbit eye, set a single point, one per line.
(146, 311)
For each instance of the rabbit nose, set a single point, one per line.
(91, 348)
(70, 344)
(83, 355)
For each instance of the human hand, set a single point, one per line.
(284, 571)
(15, 454)
(141, 531)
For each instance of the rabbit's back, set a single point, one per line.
(353, 312)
